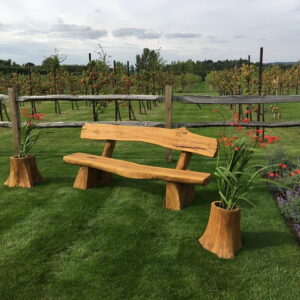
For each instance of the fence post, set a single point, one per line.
(168, 115)
(260, 110)
(15, 118)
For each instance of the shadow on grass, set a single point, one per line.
(265, 239)
(204, 197)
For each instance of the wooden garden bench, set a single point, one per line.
(97, 170)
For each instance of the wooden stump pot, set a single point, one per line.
(222, 235)
(23, 172)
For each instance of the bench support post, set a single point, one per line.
(90, 178)
(178, 195)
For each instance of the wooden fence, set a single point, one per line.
(15, 124)
(151, 100)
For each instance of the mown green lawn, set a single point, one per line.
(117, 242)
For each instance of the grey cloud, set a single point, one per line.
(77, 31)
(215, 40)
(180, 35)
(122, 32)
(139, 33)
(149, 35)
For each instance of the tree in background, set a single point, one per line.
(102, 63)
(148, 66)
(53, 62)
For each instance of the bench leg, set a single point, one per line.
(89, 178)
(178, 195)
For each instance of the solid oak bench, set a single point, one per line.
(97, 170)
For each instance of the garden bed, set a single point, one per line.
(283, 201)
(287, 197)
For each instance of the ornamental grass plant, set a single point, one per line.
(235, 175)
(29, 134)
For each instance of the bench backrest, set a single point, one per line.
(178, 139)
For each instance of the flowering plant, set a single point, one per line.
(235, 178)
(29, 135)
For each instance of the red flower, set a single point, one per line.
(283, 166)
(247, 111)
(297, 171)
(214, 111)
(273, 174)
(36, 116)
(270, 139)
(258, 130)
(248, 132)
(24, 112)
(263, 145)
(236, 148)
(239, 128)
(245, 120)
(292, 174)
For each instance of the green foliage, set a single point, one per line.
(287, 184)
(291, 208)
(186, 82)
(29, 136)
(244, 80)
(279, 156)
(102, 62)
(53, 62)
(149, 60)
(235, 178)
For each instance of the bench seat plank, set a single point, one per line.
(137, 171)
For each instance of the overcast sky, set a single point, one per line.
(30, 30)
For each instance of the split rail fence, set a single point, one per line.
(14, 102)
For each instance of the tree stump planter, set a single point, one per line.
(23, 172)
(222, 235)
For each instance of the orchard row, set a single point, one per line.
(245, 80)
(88, 82)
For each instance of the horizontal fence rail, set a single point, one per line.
(80, 124)
(189, 99)
(203, 99)
(162, 124)
(91, 98)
